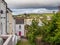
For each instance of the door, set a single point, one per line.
(19, 33)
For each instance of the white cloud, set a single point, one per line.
(22, 11)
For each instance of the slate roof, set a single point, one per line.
(19, 21)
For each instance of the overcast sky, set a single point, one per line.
(34, 4)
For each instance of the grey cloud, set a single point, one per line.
(32, 3)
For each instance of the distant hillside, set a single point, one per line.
(33, 15)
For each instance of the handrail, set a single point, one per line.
(14, 40)
(4, 36)
(8, 41)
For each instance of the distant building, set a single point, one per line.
(48, 17)
(28, 21)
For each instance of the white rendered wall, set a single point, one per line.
(0, 17)
(7, 23)
(3, 18)
(3, 26)
(22, 29)
(14, 26)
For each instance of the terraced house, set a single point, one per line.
(3, 17)
(7, 25)
(9, 21)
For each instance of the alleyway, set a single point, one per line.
(23, 42)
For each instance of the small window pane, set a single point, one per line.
(19, 26)
(1, 12)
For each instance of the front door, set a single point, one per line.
(19, 33)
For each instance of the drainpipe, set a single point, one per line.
(0, 22)
(6, 18)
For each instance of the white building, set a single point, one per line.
(14, 25)
(28, 21)
(3, 14)
(20, 26)
(6, 25)
(48, 17)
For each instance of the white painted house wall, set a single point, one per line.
(8, 20)
(14, 26)
(22, 29)
(7, 23)
(3, 18)
(0, 17)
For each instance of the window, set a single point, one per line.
(2, 17)
(19, 26)
(1, 11)
(7, 11)
(1, 28)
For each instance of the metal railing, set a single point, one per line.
(14, 40)
(10, 39)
